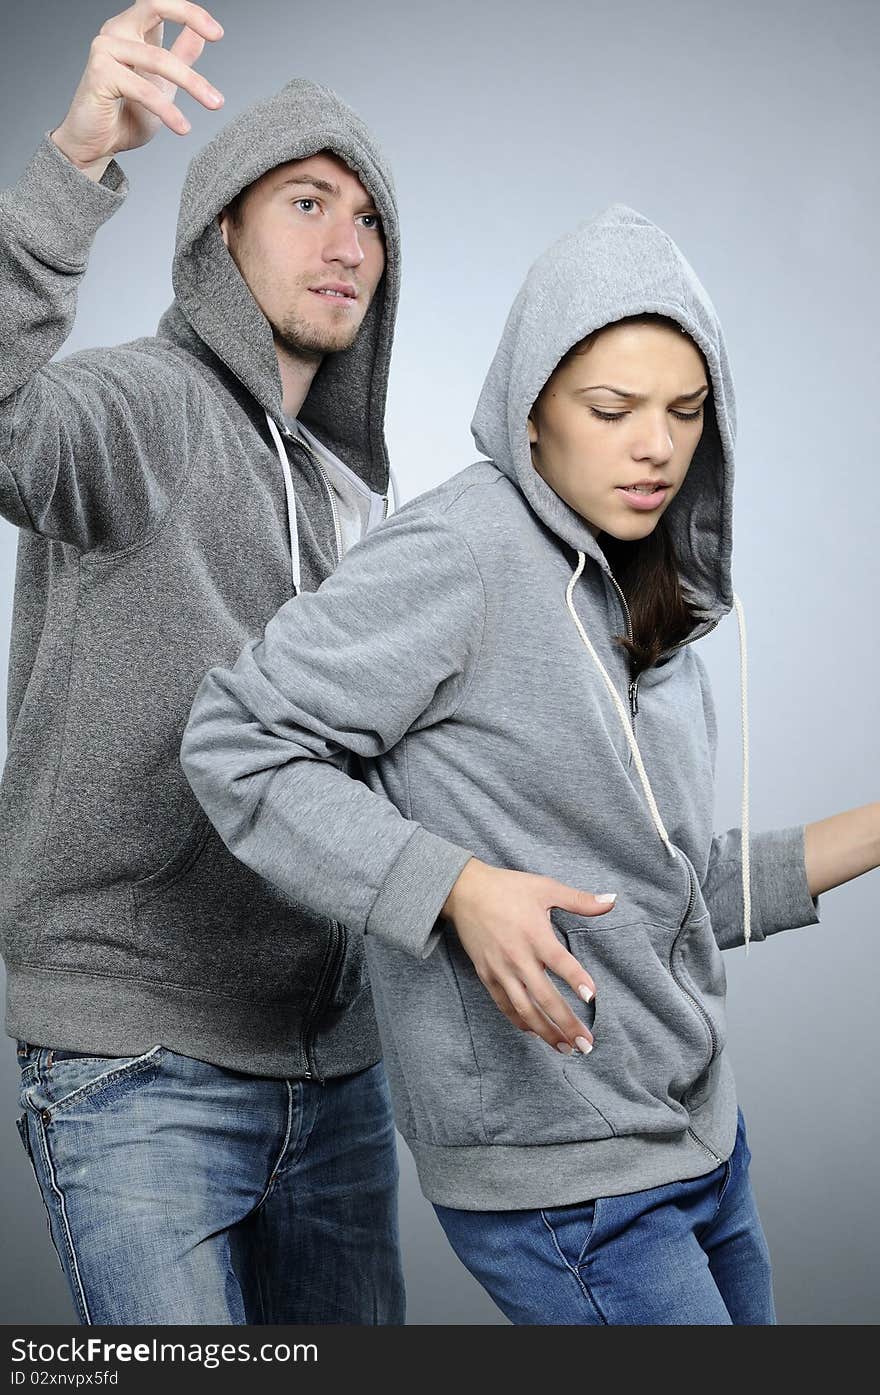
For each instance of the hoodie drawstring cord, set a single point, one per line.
(637, 755)
(393, 491)
(744, 722)
(291, 505)
(624, 720)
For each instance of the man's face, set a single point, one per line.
(308, 242)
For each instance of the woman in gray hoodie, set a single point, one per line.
(494, 707)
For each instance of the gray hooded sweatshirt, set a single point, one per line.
(166, 513)
(464, 651)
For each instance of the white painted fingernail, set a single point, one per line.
(584, 1045)
(607, 898)
(586, 992)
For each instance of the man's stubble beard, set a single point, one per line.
(308, 341)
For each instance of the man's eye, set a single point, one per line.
(299, 203)
(371, 221)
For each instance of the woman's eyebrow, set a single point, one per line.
(640, 396)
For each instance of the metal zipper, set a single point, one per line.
(634, 683)
(703, 1014)
(705, 1147)
(634, 699)
(329, 974)
(634, 706)
(700, 1009)
(336, 529)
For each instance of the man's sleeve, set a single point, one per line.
(389, 642)
(90, 446)
(780, 893)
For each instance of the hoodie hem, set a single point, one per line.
(76, 1011)
(504, 1177)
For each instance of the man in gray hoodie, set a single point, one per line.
(203, 1098)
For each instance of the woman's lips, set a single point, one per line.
(637, 500)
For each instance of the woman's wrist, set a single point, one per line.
(839, 848)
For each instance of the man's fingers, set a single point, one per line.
(141, 18)
(125, 53)
(188, 46)
(137, 89)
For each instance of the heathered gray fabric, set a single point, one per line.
(154, 542)
(442, 653)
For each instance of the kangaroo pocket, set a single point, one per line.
(657, 1022)
(205, 920)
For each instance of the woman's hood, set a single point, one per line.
(615, 265)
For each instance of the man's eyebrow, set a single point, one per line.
(324, 186)
(640, 396)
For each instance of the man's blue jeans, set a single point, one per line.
(179, 1192)
(686, 1253)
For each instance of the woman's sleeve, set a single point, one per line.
(780, 893)
(388, 642)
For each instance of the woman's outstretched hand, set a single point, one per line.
(502, 919)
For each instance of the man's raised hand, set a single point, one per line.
(127, 90)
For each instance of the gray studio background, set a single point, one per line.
(749, 133)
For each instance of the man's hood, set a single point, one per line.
(617, 264)
(345, 406)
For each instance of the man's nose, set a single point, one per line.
(343, 245)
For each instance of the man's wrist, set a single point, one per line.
(93, 169)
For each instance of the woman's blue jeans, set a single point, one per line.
(686, 1253)
(179, 1192)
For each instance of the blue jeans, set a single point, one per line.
(180, 1192)
(687, 1253)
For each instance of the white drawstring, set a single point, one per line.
(637, 755)
(291, 505)
(393, 490)
(744, 721)
(621, 712)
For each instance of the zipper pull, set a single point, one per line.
(634, 696)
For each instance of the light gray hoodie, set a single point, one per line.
(463, 651)
(165, 514)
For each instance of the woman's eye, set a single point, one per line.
(687, 416)
(607, 416)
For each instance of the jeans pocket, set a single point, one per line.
(573, 1229)
(70, 1078)
(21, 1124)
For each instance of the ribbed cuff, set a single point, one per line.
(411, 898)
(781, 897)
(60, 207)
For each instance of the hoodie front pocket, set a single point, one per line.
(205, 921)
(656, 1028)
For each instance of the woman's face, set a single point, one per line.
(627, 409)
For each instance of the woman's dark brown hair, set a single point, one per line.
(647, 570)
